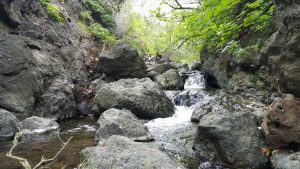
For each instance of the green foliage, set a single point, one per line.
(52, 10)
(85, 16)
(99, 12)
(102, 34)
(218, 25)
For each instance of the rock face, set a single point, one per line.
(284, 160)
(141, 96)
(8, 125)
(278, 59)
(40, 59)
(232, 138)
(123, 123)
(281, 51)
(20, 79)
(122, 153)
(281, 124)
(122, 62)
(170, 80)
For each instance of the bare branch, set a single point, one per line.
(44, 160)
(179, 6)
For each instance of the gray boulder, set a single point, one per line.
(36, 125)
(200, 110)
(161, 68)
(170, 80)
(119, 152)
(121, 122)
(8, 125)
(122, 62)
(58, 99)
(232, 138)
(284, 160)
(141, 96)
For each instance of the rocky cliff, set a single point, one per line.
(41, 57)
(278, 60)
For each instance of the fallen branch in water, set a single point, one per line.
(44, 161)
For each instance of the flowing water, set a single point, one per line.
(82, 130)
(176, 134)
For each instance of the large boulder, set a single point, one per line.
(20, 80)
(121, 122)
(119, 152)
(170, 80)
(122, 62)
(232, 138)
(8, 125)
(161, 68)
(285, 160)
(58, 100)
(281, 124)
(141, 96)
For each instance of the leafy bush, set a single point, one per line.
(52, 10)
(85, 16)
(99, 12)
(102, 34)
(218, 25)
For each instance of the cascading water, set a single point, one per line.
(175, 134)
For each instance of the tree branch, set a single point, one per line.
(179, 6)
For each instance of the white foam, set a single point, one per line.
(182, 115)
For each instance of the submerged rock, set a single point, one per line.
(284, 160)
(119, 152)
(281, 124)
(141, 96)
(121, 122)
(232, 138)
(36, 125)
(170, 80)
(122, 62)
(8, 125)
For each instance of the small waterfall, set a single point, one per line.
(176, 133)
(195, 81)
(192, 93)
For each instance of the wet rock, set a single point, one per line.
(8, 125)
(141, 96)
(121, 152)
(122, 62)
(232, 138)
(195, 66)
(284, 160)
(281, 124)
(200, 110)
(185, 97)
(170, 80)
(123, 123)
(36, 125)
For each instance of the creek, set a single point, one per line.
(175, 134)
